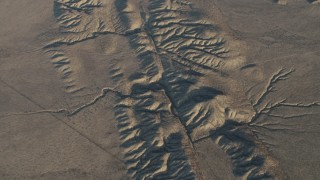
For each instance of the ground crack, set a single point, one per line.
(70, 112)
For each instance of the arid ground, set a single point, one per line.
(159, 89)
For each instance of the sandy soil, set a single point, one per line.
(159, 89)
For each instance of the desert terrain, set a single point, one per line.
(159, 89)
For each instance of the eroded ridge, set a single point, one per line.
(80, 20)
(151, 150)
(196, 106)
(168, 108)
(63, 65)
(155, 144)
(204, 112)
(172, 31)
(186, 39)
(77, 21)
(249, 157)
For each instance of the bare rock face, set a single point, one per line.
(177, 82)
